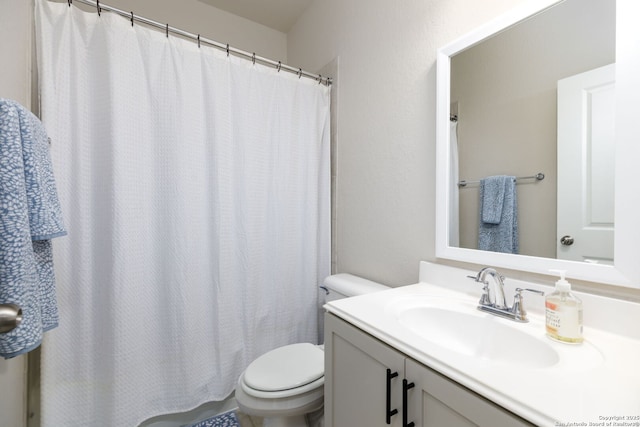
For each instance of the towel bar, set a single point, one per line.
(539, 177)
(10, 317)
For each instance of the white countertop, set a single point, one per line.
(595, 383)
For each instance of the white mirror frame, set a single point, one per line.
(626, 268)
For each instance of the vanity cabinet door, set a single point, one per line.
(436, 401)
(357, 380)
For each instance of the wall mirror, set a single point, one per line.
(508, 83)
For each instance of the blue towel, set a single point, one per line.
(29, 217)
(498, 230)
(492, 196)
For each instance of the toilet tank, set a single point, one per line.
(345, 285)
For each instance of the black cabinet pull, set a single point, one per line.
(390, 413)
(406, 386)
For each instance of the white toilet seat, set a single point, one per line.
(285, 371)
(287, 381)
(317, 384)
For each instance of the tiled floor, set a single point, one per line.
(248, 421)
(315, 419)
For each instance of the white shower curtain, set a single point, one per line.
(195, 188)
(454, 202)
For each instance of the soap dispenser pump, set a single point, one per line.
(563, 313)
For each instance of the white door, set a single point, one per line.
(16, 17)
(586, 108)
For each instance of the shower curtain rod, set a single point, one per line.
(201, 40)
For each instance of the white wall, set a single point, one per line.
(386, 121)
(15, 48)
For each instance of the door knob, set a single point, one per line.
(10, 317)
(566, 240)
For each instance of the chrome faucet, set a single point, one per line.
(496, 298)
(495, 302)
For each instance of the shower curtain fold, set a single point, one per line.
(454, 191)
(196, 188)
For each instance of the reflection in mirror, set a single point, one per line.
(586, 163)
(526, 149)
(504, 91)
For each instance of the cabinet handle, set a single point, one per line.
(390, 412)
(406, 386)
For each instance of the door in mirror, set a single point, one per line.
(586, 190)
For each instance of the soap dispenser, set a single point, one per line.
(563, 313)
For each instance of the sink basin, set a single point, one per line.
(480, 336)
(461, 328)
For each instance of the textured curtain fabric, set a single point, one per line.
(195, 188)
(454, 206)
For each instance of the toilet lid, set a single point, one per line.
(285, 368)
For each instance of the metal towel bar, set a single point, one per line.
(539, 177)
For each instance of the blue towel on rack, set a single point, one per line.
(30, 216)
(498, 229)
(492, 191)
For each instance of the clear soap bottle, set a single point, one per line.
(563, 313)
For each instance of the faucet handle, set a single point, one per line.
(518, 304)
(519, 291)
(484, 299)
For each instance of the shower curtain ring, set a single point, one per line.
(319, 78)
(69, 2)
(167, 30)
(198, 40)
(299, 72)
(279, 65)
(98, 7)
(253, 58)
(132, 18)
(227, 49)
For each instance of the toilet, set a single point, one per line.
(285, 386)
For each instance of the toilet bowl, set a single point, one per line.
(283, 385)
(286, 384)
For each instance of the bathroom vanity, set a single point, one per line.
(423, 355)
(369, 383)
